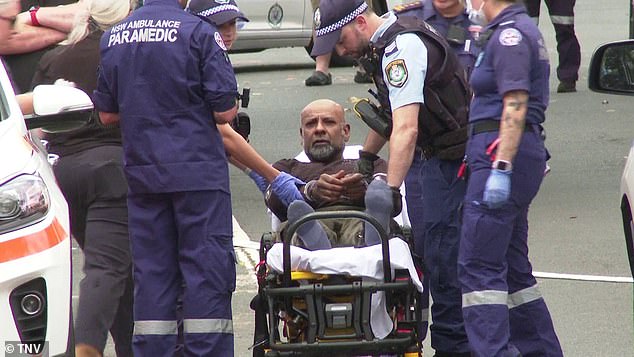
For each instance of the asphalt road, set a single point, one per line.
(576, 239)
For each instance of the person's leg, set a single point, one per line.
(443, 193)
(123, 324)
(157, 279)
(378, 204)
(107, 269)
(414, 199)
(95, 182)
(208, 266)
(531, 326)
(311, 233)
(563, 19)
(482, 271)
(533, 9)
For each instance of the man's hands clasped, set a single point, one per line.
(338, 187)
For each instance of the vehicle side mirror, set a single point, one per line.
(59, 108)
(612, 68)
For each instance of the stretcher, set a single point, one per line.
(345, 301)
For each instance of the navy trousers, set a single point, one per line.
(438, 194)
(182, 245)
(563, 19)
(504, 312)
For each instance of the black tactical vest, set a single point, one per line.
(443, 118)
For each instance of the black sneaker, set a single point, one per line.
(319, 78)
(362, 77)
(566, 87)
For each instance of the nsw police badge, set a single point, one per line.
(396, 72)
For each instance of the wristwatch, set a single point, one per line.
(502, 165)
(33, 13)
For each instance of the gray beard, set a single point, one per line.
(324, 153)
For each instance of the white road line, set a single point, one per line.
(578, 277)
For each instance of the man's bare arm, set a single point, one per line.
(29, 39)
(402, 143)
(54, 22)
(60, 18)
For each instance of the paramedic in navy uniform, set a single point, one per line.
(166, 75)
(504, 312)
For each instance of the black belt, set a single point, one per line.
(489, 125)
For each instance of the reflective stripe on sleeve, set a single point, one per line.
(208, 326)
(155, 327)
(524, 296)
(562, 20)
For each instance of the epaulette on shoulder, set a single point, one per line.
(409, 6)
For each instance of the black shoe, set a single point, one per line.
(319, 78)
(566, 87)
(362, 77)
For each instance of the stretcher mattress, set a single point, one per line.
(365, 262)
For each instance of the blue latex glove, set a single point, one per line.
(259, 181)
(497, 189)
(284, 186)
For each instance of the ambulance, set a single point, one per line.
(35, 243)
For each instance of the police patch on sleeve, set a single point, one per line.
(396, 72)
(219, 41)
(510, 37)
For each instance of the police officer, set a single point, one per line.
(504, 312)
(451, 19)
(420, 81)
(562, 16)
(165, 75)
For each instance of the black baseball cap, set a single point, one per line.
(217, 11)
(330, 18)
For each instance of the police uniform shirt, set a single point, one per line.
(514, 58)
(165, 72)
(404, 66)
